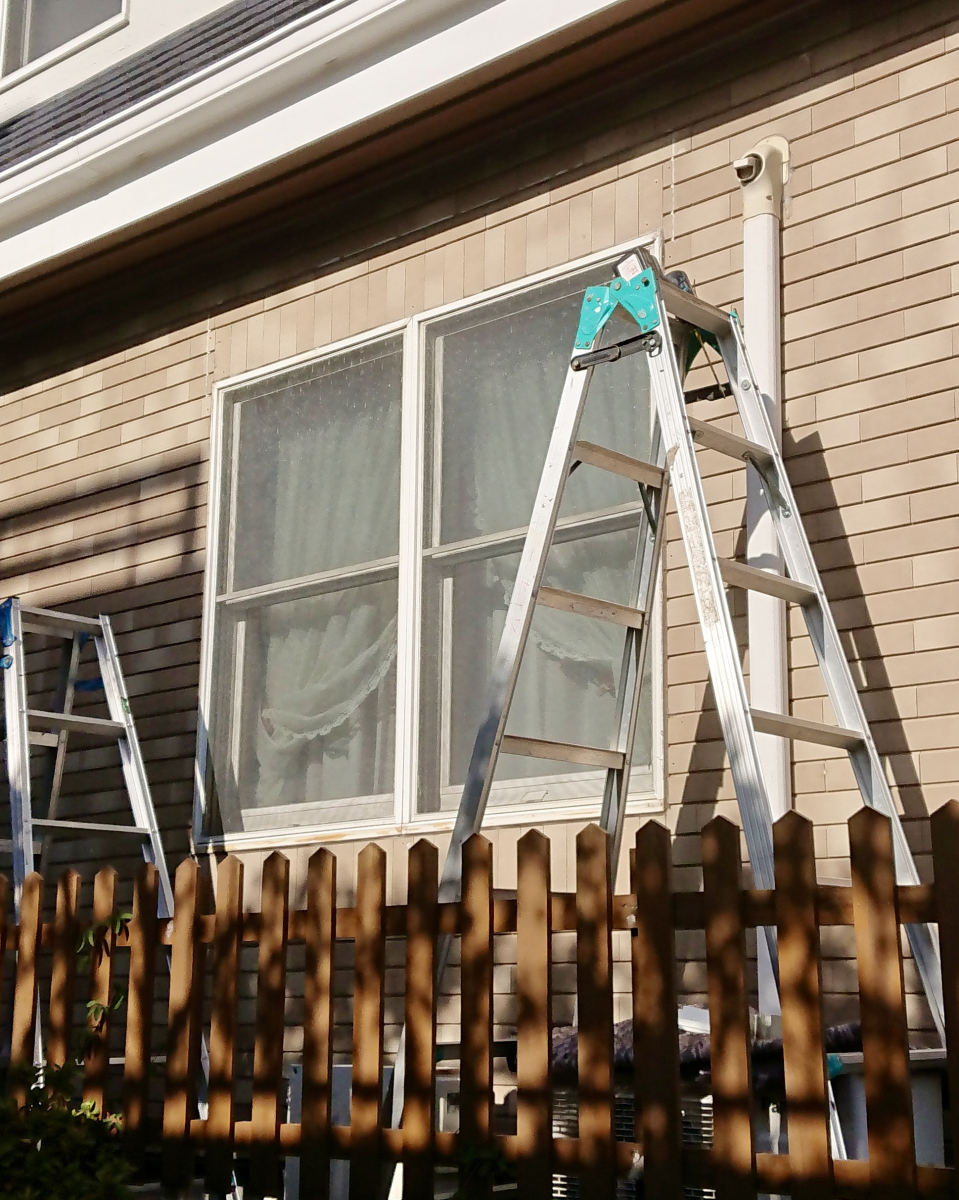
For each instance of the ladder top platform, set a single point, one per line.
(44, 620)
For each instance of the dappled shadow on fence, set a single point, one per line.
(641, 1056)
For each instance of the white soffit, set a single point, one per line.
(350, 63)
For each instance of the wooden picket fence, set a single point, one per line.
(873, 904)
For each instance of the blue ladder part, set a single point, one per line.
(6, 633)
(87, 685)
(636, 296)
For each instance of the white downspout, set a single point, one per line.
(762, 173)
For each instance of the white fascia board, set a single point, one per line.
(337, 71)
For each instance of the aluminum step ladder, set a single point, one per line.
(673, 326)
(26, 727)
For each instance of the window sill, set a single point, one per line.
(67, 50)
(644, 804)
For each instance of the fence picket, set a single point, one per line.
(270, 1009)
(66, 927)
(227, 932)
(724, 910)
(102, 955)
(655, 1023)
(180, 1091)
(885, 1037)
(800, 984)
(419, 1114)
(6, 934)
(369, 968)
(945, 858)
(318, 1027)
(476, 1014)
(594, 989)
(534, 1049)
(25, 987)
(142, 974)
(733, 1151)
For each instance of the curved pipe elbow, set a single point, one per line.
(762, 173)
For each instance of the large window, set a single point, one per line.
(305, 669)
(34, 28)
(371, 508)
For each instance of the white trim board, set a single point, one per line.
(349, 65)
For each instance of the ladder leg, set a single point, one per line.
(18, 754)
(69, 664)
(519, 616)
(719, 639)
(827, 646)
(18, 774)
(134, 772)
(652, 539)
(722, 654)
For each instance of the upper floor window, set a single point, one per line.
(33, 28)
(372, 505)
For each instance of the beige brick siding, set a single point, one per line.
(104, 471)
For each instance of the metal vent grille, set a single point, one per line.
(697, 1115)
(697, 1119)
(566, 1125)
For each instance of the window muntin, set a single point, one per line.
(476, 525)
(34, 28)
(494, 376)
(305, 629)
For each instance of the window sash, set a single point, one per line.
(16, 20)
(415, 550)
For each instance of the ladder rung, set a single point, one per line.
(36, 738)
(618, 464)
(588, 606)
(799, 730)
(90, 827)
(712, 391)
(692, 310)
(43, 620)
(725, 442)
(741, 575)
(95, 725)
(589, 756)
(43, 739)
(7, 847)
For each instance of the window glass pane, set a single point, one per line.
(311, 684)
(48, 24)
(568, 681)
(567, 688)
(317, 455)
(304, 706)
(496, 375)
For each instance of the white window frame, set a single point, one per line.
(413, 435)
(59, 53)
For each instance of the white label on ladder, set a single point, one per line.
(630, 267)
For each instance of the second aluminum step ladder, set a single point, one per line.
(670, 325)
(26, 727)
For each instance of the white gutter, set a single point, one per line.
(762, 173)
(352, 63)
